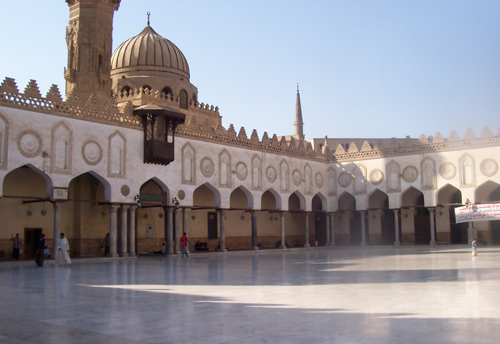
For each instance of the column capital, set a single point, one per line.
(133, 207)
(113, 207)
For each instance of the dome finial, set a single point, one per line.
(149, 13)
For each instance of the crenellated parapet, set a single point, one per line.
(203, 122)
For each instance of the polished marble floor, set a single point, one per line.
(323, 295)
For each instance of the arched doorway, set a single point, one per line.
(205, 221)
(319, 219)
(296, 220)
(88, 194)
(488, 192)
(25, 209)
(448, 198)
(415, 220)
(381, 219)
(239, 220)
(351, 219)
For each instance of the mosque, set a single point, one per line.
(132, 152)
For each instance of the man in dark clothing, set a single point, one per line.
(40, 247)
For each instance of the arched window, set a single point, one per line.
(147, 89)
(167, 90)
(184, 99)
(125, 91)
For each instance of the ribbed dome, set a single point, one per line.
(150, 51)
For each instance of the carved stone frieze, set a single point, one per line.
(207, 167)
(345, 179)
(271, 174)
(241, 171)
(489, 167)
(91, 152)
(318, 178)
(410, 174)
(376, 176)
(125, 190)
(448, 170)
(29, 143)
(296, 177)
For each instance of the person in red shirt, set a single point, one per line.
(184, 241)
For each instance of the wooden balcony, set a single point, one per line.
(158, 152)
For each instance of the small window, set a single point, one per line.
(167, 90)
(126, 91)
(147, 89)
(184, 100)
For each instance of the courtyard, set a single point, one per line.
(408, 294)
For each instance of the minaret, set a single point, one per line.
(299, 125)
(89, 40)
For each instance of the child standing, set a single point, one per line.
(474, 248)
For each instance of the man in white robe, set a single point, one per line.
(63, 247)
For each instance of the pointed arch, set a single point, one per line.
(105, 184)
(206, 195)
(393, 173)
(154, 190)
(4, 141)
(270, 199)
(44, 192)
(448, 194)
(467, 171)
(284, 176)
(256, 173)
(308, 179)
(377, 199)
(61, 149)
(359, 173)
(296, 201)
(188, 164)
(224, 169)
(319, 202)
(241, 198)
(332, 182)
(117, 153)
(428, 174)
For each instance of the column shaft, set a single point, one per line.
(112, 230)
(397, 241)
(177, 230)
(57, 229)
(131, 230)
(363, 228)
(307, 231)
(222, 230)
(254, 230)
(185, 214)
(432, 213)
(332, 228)
(168, 229)
(123, 231)
(282, 229)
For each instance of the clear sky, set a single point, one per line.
(386, 68)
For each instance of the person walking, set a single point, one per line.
(105, 244)
(40, 251)
(17, 244)
(184, 241)
(63, 247)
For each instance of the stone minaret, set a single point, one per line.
(299, 125)
(89, 40)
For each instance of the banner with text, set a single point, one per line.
(478, 212)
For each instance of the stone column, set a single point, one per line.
(222, 229)
(123, 231)
(168, 228)
(363, 228)
(112, 230)
(131, 230)
(177, 230)
(327, 229)
(254, 230)
(332, 228)
(397, 241)
(282, 229)
(57, 229)
(432, 213)
(185, 216)
(307, 231)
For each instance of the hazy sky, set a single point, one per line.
(365, 68)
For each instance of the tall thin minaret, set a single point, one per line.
(89, 41)
(299, 125)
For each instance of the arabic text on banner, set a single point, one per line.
(478, 212)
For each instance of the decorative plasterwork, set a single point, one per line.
(308, 179)
(359, 173)
(345, 179)
(318, 178)
(241, 170)
(410, 174)
(256, 173)
(271, 174)
(207, 167)
(4, 141)
(189, 164)
(224, 169)
(376, 176)
(117, 155)
(428, 175)
(296, 177)
(332, 182)
(125, 190)
(91, 152)
(284, 181)
(29, 143)
(393, 172)
(61, 150)
(488, 167)
(467, 171)
(448, 170)
(181, 194)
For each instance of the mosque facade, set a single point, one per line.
(131, 151)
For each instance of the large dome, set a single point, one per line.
(148, 51)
